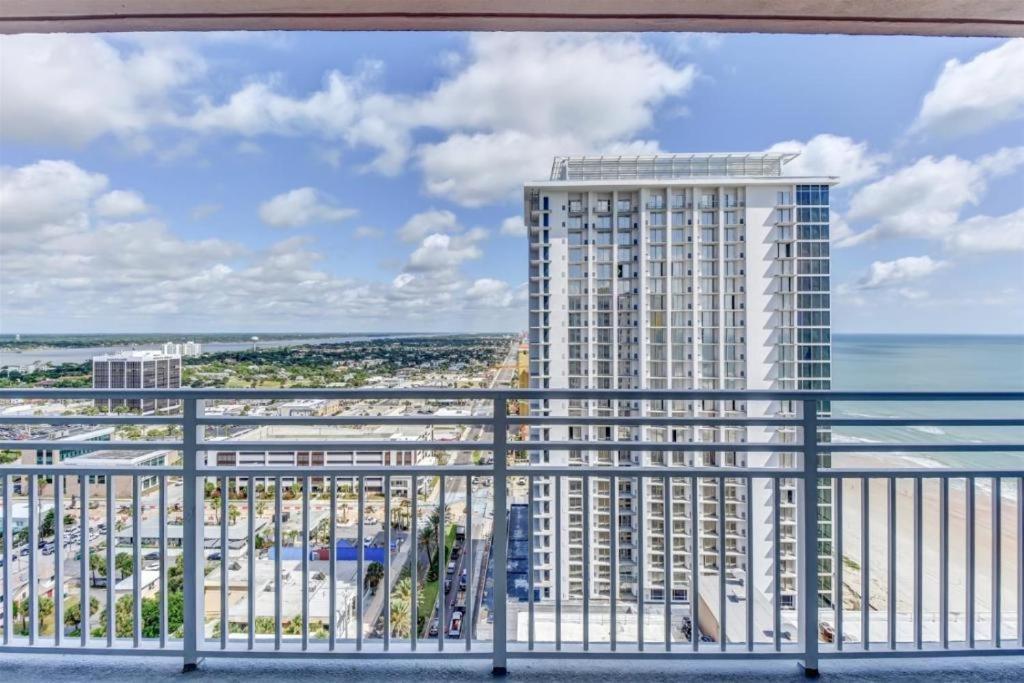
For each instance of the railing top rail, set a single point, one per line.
(523, 394)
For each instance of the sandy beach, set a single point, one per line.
(931, 557)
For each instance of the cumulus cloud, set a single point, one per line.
(899, 272)
(832, 155)
(120, 203)
(300, 207)
(367, 232)
(64, 261)
(47, 197)
(428, 222)
(989, 234)
(972, 96)
(445, 252)
(924, 199)
(514, 226)
(202, 211)
(75, 88)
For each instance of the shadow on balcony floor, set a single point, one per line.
(53, 669)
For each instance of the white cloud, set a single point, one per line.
(924, 199)
(558, 102)
(444, 252)
(997, 234)
(300, 207)
(62, 261)
(120, 204)
(971, 96)
(832, 155)
(73, 89)
(481, 168)
(514, 226)
(46, 198)
(899, 272)
(428, 222)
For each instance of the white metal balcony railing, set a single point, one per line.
(784, 620)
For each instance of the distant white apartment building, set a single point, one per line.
(189, 348)
(137, 370)
(404, 452)
(683, 271)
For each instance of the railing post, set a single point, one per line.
(808, 575)
(500, 545)
(192, 536)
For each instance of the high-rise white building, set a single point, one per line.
(189, 348)
(136, 370)
(683, 271)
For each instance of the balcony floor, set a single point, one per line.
(49, 669)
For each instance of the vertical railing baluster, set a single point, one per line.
(809, 559)
(162, 560)
(837, 484)
(111, 564)
(224, 522)
(250, 616)
(469, 618)
(944, 562)
(723, 634)
(918, 563)
(666, 496)
(587, 561)
(970, 562)
(5, 570)
(997, 574)
(531, 614)
(865, 559)
(136, 561)
(641, 564)
(361, 558)
(387, 557)
(694, 566)
(84, 551)
(414, 564)
(558, 561)
(891, 561)
(33, 559)
(1020, 565)
(441, 562)
(614, 562)
(58, 559)
(332, 563)
(305, 565)
(500, 535)
(748, 580)
(277, 561)
(776, 564)
(193, 535)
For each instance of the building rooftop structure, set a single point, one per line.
(136, 354)
(669, 166)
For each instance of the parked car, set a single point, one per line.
(432, 631)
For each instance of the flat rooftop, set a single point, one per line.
(669, 166)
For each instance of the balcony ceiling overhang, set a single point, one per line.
(883, 17)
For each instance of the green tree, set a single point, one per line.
(125, 564)
(374, 575)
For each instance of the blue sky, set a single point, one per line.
(369, 181)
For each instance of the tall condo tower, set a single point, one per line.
(683, 271)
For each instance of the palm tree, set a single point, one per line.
(374, 575)
(401, 615)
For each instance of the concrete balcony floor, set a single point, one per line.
(58, 668)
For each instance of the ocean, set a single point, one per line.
(931, 363)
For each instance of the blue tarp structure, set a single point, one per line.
(345, 550)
